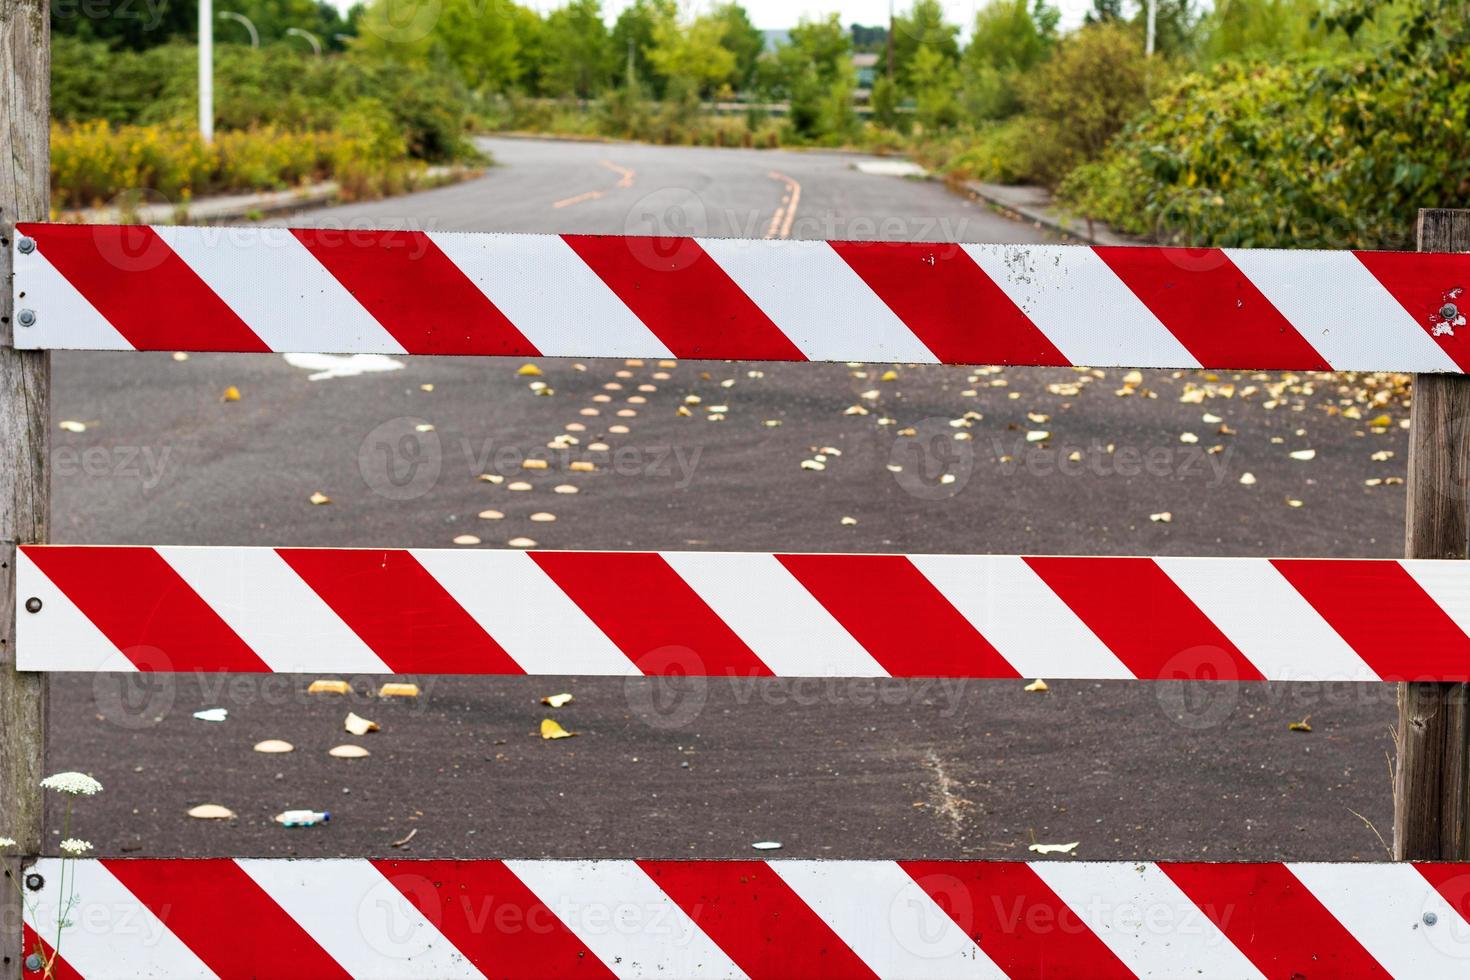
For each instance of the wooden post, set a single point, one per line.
(25, 457)
(1431, 805)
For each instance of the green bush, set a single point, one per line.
(1336, 155)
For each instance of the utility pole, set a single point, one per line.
(890, 40)
(206, 70)
(1153, 17)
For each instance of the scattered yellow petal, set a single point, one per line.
(1381, 422)
(347, 752)
(1054, 848)
(529, 371)
(68, 425)
(212, 811)
(1248, 479)
(355, 724)
(534, 464)
(889, 375)
(1163, 517)
(274, 746)
(581, 466)
(812, 464)
(1188, 438)
(1037, 435)
(398, 689)
(423, 427)
(1304, 454)
(543, 517)
(1290, 502)
(1382, 455)
(849, 521)
(557, 700)
(329, 687)
(180, 355)
(1300, 726)
(491, 515)
(491, 478)
(426, 387)
(564, 488)
(522, 542)
(232, 394)
(320, 498)
(466, 539)
(520, 486)
(551, 730)
(1037, 686)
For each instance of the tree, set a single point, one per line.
(922, 27)
(741, 38)
(691, 57)
(1009, 39)
(579, 56)
(814, 70)
(480, 49)
(935, 80)
(632, 36)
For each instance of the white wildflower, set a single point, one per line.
(6, 842)
(75, 847)
(72, 783)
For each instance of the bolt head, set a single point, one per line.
(34, 882)
(33, 605)
(33, 962)
(26, 246)
(1449, 311)
(26, 318)
(1430, 918)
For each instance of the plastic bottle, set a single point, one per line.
(302, 818)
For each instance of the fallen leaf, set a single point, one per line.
(581, 466)
(398, 690)
(1037, 435)
(491, 515)
(180, 355)
(1248, 479)
(348, 752)
(355, 724)
(522, 542)
(543, 517)
(318, 498)
(551, 730)
(1304, 454)
(329, 687)
(274, 746)
(1037, 686)
(534, 464)
(849, 521)
(1300, 726)
(767, 845)
(466, 539)
(1054, 848)
(232, 394)
(212, 714)
(519, 486)
(1188, 438)
(889, 375)
(1290, 502)
(564, 488)
(423, 427)
(1163, 517)
(67, 425)
(212, 811)
(812, 464)
(403, 842)
(529, 371)
(557, 700)
(490, 478)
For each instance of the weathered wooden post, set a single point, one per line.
(25, 458)
(1431, 813)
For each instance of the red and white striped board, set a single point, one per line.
(396, 292)
(436, 611)
(761, 919)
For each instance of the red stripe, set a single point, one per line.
(1452, 881)
(60, 968)
(755, 917)
(142, 605)
(684, 297)
(897, 615)
(493, 919)
(229, 921)
(1274, 920)
(1212, 308)
(401, 611)
(1423, 282)
(949, 302)
(1384, 615)
(143, 288)
(1144, 618)
(413, 289)
(1017, 919)
(652, 614)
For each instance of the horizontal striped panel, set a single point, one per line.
(357, 291)
(739, 614)
(783, 920)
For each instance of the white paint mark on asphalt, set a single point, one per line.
(890, 168)
(329, 366)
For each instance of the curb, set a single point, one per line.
(1096, 233)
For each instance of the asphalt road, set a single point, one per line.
(829, 769)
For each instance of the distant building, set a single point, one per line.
(865, 64)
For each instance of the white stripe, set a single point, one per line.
(767, 607)
(818, 301)
(1447, 583)
(1268, 620)
(59, 636)
(280, 290)
(887, 919)
(625, 919)
(1342, 310)
(277, 614)
(1027, 623)
(551, 295)
(359, 918)
(520, 606)
(1087, 312)
(65, 319)
(112, 934)
(1146, 920)
(1383, 906)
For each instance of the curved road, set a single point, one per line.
(829, 769)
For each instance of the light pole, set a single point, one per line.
(1153, 16)
(311, 38)
(249, 26)
(206, 71)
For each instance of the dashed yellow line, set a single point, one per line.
(780, 226)
(578, 199)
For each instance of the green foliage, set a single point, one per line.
(741, 38)
(136, 25)
(632, 36)
(480, 45)
(579, 58)
(814, 72)
(691, 58)
(1336, 155)
(935, 82)
(1010, 38)
(884, 100)
(922, 27)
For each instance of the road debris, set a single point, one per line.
(1054, 848)
(551, 730)
(212, 811)
(767, 845)
(212, 714)
(302, 818)
(274, 746)
(1037, 686)
(398, 689)
(329, 687)
(557, 700)
(355, 724)
(348, 752)
(403, 841)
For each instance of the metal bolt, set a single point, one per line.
(1449, 311)
(35, 882)
(33, 605)
(26, 318)
(33, 962)
(1430, 918)
(26, 246)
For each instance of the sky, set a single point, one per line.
(777, 14)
